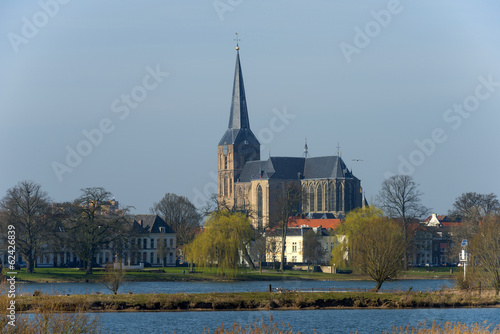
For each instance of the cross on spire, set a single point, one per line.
(237, 39)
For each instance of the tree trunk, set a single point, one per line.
(248, 258)
(30, 264)
(89, 268)
(379, 284)
(283, 244)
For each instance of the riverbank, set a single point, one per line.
(182, 274)
(255, 301)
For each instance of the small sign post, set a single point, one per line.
(464, 256)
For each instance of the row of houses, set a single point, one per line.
(153, 243)
(432, 241)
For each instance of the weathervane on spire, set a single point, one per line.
(306, 149)
(338, 149)
(237, 39)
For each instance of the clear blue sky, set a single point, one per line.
(376, 76)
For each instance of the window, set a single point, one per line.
(225, 162)
(171, 242)
(311, 199)
(152, 257)
(331, 197)
(294, 247)
(152, 243)
(260, 205)
(294, 258)
(319, 198)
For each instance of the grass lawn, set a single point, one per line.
(49, 275)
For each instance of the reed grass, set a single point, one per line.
(48, 319)
(448, 327)
(261, 327)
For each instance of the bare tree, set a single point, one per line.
(26, 207)
(472, 209)
(180, 214)
(162, 250)
(312, 249)
(286, 206)
(486, 249)
(113, 278)
(400, 198)
(91, 225)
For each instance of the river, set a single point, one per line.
(240, 286)
(323, 321)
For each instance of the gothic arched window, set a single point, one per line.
(311, 199)
(319, 198)
(260, 205)
(226, 192)
(331, 196)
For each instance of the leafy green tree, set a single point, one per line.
(26, 206)
(221, 241)
(375, 244)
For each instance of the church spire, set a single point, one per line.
(238, 118)
(238, 130)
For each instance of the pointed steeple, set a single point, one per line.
(238, 118)
(238, 129)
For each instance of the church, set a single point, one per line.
(247, 183)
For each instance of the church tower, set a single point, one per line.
(238, 144)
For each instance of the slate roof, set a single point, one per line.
(152, 223)
(238, 130)
(289, 168)
(296, 232)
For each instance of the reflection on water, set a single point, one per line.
(324, 321)
(204, 287)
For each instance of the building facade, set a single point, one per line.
(247, 183)
(151, 242)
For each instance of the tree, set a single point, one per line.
(286, 206)
(113, 278)
(400, 198)
(162, 250)
(26, 206)
(375, 244)
(221, 242)
(485, 245)
(312, 248)
(472, 209)
(180, 214)
(91, 225)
